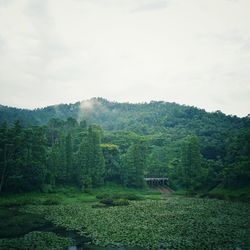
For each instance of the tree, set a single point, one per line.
(191, 164)
(5, 147)
(134, 165)
(158, 163)
(112, 162)
(91, 164)
(237, 160)
(69, 157)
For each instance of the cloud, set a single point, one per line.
(192, 52)
(89, 106)
(151, 5)
(5, 3)
(2, 43)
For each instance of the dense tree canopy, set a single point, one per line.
(195, 149)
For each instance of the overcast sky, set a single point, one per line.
(194, 52)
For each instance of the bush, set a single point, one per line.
(102, 196)
(107, 201)
(52, 201)
(47, 189)
(99, 205)
(20, 202)
(131, 197)
(114, 202)
(121, 202)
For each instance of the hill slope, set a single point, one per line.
(144, 118)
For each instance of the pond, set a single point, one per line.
(15, 224)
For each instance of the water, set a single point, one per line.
(20, 223)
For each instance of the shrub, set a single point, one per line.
(20, 202)
(47, 189)
(52, 201)
(102, 196)
(121, 202)
(98, 205)
(114, 202)
(131, 197)
(107, 201)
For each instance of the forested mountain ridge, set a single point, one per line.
(142, 118)
(162, 122)
(60, 145)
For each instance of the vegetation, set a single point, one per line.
(148, 221)
(83, 166)
(36, 240)
(178, 223)
(196, 156)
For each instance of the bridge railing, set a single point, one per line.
(157, 181)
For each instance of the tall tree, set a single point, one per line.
(134, 165)
(191, 164)
(91, 164)
(112, 162)
(69, 157)
(237, 160)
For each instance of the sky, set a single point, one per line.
(193, 52)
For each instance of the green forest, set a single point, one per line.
(74, 145)
(89, 160)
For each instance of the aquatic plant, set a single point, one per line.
(36, 241)
(177, 223)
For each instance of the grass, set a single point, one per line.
(67, 196)
(241, 194)
(112, 189)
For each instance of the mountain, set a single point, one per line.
(173, 135)
(113, 116)
(165, 121)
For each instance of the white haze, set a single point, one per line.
(194, 52)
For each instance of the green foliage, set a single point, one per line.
(190, 168)
(111, 155)
(237, 171)
(242, 194)
(36, 240)
(139, 140)
(114, 202)
(177, 223)
(52, 201)
(22, 157)
(91, 164)
(134, 165)
(125, 196)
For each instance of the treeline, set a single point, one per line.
(68, 153)
(141, 118)
(65, 153)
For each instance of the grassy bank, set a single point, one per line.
(66, 196)
(241, 194)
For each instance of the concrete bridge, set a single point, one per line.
(157, 181)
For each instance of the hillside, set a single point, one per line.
(172, 136)
(143, 118)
